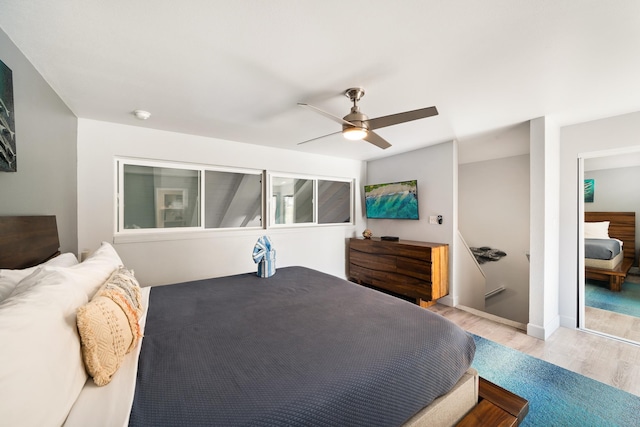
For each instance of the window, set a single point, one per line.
(307, 201)
(159, 197)
(334, 202)
(232, 199)
(163, 197)
(292, 200)
(156, 195)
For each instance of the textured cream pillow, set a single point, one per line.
(106, 337)
(108, 325)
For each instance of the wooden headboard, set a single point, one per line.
(26, 241)
(622, 226)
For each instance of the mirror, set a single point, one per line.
(612, 188)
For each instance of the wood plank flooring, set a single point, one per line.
(604, 359)
(608, 322)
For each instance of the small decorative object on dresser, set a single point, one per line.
(417, 270)
(367, 234)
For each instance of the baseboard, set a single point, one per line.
(545, 332)
(448, 300)
(493, 317)
(535, 331)
(568, 322)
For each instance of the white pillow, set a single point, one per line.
(97, 268)
(41, 368)
(9, 278)
(596, 230)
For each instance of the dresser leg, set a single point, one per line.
(424, 303)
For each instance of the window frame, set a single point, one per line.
(125, 235)
(271, 224)
(121, 162)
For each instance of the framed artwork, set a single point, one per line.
(170, 207)
(7, 123)
(589, 187)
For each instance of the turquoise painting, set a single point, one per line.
(589, 187)
(396, 200)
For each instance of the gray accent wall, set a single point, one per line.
(46, 133)
(436, 169)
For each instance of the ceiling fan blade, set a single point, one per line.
(319, 137)
(377, 140)
(398, 118)
(327, 115)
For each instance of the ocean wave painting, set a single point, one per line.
(398, 200)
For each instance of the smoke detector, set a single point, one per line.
(141, 114)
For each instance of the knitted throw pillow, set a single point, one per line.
(108, 325)
(106, 337)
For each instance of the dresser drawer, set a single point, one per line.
(415, 269)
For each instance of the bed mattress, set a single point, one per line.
(245, 350)
(606, 264)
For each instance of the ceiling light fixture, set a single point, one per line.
(354, 133)
(141, 114)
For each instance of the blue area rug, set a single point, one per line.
(557, 396)
(627, 301)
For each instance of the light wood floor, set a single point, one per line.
(621, 325)
(604, 359)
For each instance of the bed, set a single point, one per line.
(299, 348)
(610, 241)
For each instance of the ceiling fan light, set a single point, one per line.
(354, 133)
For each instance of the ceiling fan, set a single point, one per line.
(356, 125)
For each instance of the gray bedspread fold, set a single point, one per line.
(301, 348)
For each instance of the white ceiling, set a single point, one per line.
(236, 69)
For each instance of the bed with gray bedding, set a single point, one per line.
(298, 348)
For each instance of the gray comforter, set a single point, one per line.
(301, 348)
(601, 248)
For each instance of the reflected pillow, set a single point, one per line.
(596, 230)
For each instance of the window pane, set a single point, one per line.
(232, 200)
(292, 200)
(156, 197)
(334, 202)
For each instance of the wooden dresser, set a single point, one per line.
(418, 270)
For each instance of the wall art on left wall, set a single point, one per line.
(8, 158)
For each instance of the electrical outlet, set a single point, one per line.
(433, 219)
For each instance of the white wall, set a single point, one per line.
(494, 211)
(215, 253)
(45, 182)
(435, 168)
(545, 226)
(605, 136)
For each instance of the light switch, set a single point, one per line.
(433, 219)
